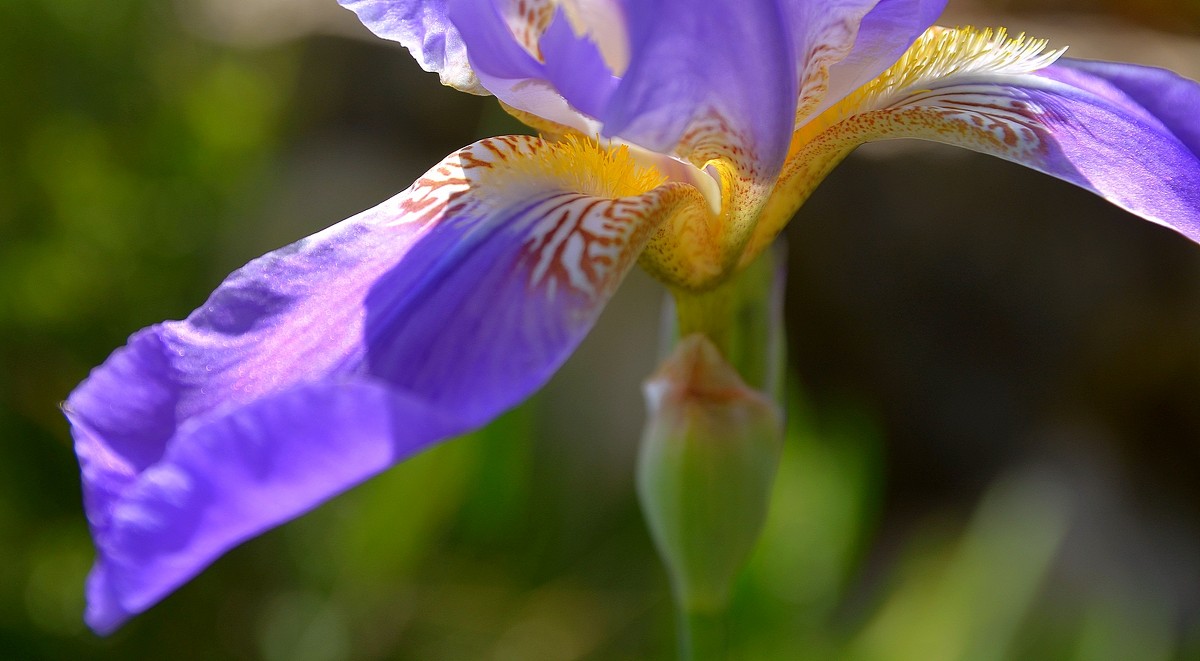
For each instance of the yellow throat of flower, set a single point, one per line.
(581, 165)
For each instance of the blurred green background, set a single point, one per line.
(995, 426)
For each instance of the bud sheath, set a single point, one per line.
(708, 459)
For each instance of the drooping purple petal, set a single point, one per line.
(322, 363)
(1170, 98)
(1125, 132)
(229, 478)
(1140, 152)
(1073, 120)
(421, 26)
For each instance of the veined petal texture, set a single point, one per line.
(320, 364)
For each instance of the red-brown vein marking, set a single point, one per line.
(833, 43)
(976, 117)
(528, 19)
(435, 194)
(1011, 121)
(579, 242)
(963, 116)
(574, 241)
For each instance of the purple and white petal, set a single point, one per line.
(423, 27)
(523, 52)
(576, 67)
(856, 51)
(322, 363)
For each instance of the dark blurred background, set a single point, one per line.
(995, 432)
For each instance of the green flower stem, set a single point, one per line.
(743, 317)
(703, 635)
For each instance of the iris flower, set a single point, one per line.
(677, 135)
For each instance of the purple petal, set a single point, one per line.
(230, 478)
(717, 82)
(705, 83)
(423, 28)
(1169, 97)
(412, 322)
(884, 34)
(576, 69)
(730, 72)
(1139, 152)
(723, 74)
(1127, 133)
(571, 81)
(530, 57)
(494, 48)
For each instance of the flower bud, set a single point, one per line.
(709, 455)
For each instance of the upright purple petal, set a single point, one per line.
(718, 81)
(576, 68)
(888, 29)
(494, 47)
(320, 364)
(712, 79)
(421, 26)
